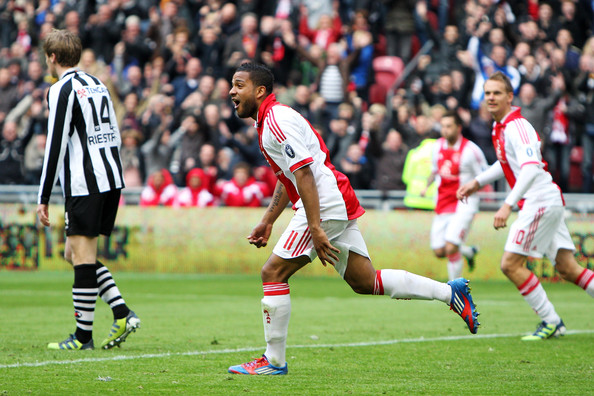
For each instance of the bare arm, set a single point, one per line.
(308, 192)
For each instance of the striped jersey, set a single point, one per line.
(83, 142)
(517, 144)
(454, 167)
(289, 142)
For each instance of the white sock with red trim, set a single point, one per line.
(455, 266)
(402, 284)
(536, 297)
(586, 281)
(276, 311)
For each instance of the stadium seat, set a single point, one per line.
(386, 70)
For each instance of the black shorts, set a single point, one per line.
(91, 215)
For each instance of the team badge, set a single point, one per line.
(529, 152)
(289, 150)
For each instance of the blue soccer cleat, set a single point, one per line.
(462, 304)
(260, 366)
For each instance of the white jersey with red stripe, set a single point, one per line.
(517, 144)
(454, 167)
(289, 142)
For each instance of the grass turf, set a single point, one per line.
(195, 326)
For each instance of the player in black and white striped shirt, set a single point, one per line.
(83, 150)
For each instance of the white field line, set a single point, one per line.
(252, 349)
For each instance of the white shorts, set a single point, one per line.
(539, 231)
(450, 227)
(343, 234)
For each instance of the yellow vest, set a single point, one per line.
(417, 169)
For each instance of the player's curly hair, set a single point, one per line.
(259, 74)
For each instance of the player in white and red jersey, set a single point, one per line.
(456, 160)
(324, 224)
(540, 228)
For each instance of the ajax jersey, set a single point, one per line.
(289, 142)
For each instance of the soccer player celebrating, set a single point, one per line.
(83, 150)
(456, 160)
(324, 224)
(540, 228)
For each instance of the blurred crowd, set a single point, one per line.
(168, 66)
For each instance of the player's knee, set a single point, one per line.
(450, 249)
(272, 273)
(509, 265)
(439, 252)
(361, 286)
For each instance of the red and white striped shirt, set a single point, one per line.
(289, 142)
(517, 144)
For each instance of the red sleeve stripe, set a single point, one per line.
(522, 131)
(301, 164)
(531, 162)
(528, 286)
(275, 128)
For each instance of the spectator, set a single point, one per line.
(356, 167)
(390, 165)
(12, 149)
(186, 84)
(209, 49)
(8, 93)
(400, 28)
(327, 31)
(562, 136)
(480, 125)
(160, 190)
(33, 159)
(187, 140)
(242, 189)
(585, 87)
(484, 66)
(196, 193)
(535, 108)
(242, 45)
(102, 32)
(133, 167)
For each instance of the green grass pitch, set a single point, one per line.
(195, 326)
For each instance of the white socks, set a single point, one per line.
(276, 312)
(401, 284)
(536, 297)
(455, 266)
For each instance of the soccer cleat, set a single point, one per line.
(120, 329)
(545, 330)
(470, 260)
(260, 366)
(71, 343)
(462, 303)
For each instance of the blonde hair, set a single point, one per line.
(499, 76)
